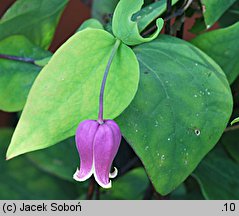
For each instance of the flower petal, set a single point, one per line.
(117, 136)
(84, 141)
(106, 144)
(116, 130)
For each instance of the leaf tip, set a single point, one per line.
(11, 154)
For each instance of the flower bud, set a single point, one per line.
(97, 145)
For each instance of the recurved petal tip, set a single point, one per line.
(76, 175)
(79, 176)
(103, 184)
(114, 173)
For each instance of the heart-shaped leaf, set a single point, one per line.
(180, 110)
(67, 90)
(127, 30)
(16, 77)
(35, 19)
(223, 46)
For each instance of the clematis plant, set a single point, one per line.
(98, 141)
(171, 98)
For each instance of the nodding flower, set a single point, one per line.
(98, 141)
(97, 145)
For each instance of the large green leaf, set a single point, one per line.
(131, 186)
(218, 176)
(35, 19)
(223, 46)
(214, 9)
(67, 90)
(60, 160)
(179, 112)
(19, 179)
(127, 30)
(16, 77)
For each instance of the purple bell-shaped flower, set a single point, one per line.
(97, 145)
(98, 141)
